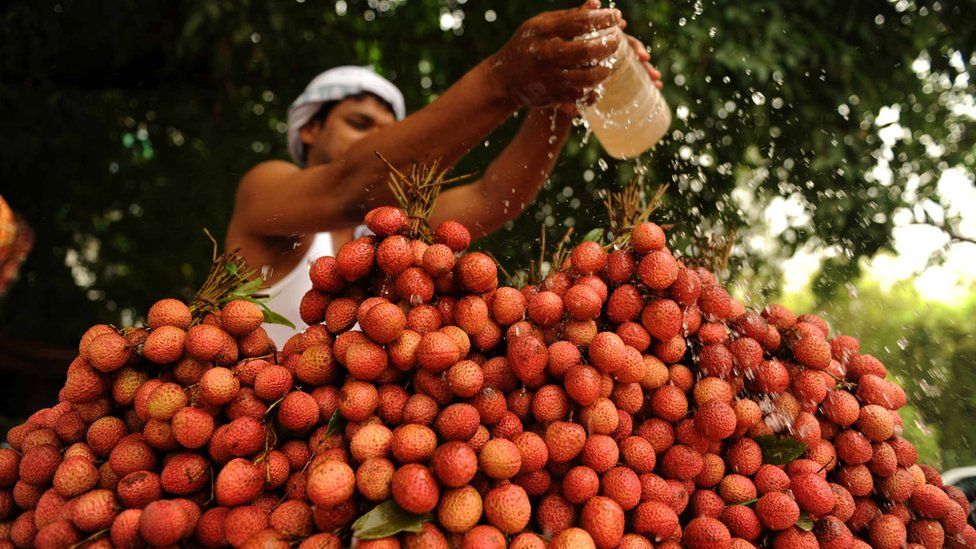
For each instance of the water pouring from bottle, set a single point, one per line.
(630, 115)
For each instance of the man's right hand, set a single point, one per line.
(545, 64)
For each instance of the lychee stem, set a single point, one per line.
(228, 272)
(713, 254)
(630, 207)
(93, 537)
(417, 191)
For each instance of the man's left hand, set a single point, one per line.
(645, 57)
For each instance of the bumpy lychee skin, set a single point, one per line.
(742, 522)
(384, 322)
(163, 523)
(705, 533)
(930, 502)
(508, 306)
(204, 342)
(298, 411)
(647, 237)
(484, 535)
(325, 275)
(165, 400)
(875, 422)
(238, 482)
(218, 386)
(330, 483)
(59, 533)
(9, 465)
(415, 489)
(500, 459)
(164, 345)
(715, 420)
(603, 519)
(169, 312)
(39, 464)
(240, 317)
(812, 493)
(527, 357)
(588, 257)
(477, 272)
(94, 510)
(355, 259)
(109, 352)
(125, 528)
(454, 464)
(507, 508)
(887, 532)
(75, 476)
(453, 234)
(812, 352)
(386, 220)
(777, 510)
(655, 519)
(581, 302)
(459, 510)
(136, 490)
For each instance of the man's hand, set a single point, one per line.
(645, 57)
(545, 64)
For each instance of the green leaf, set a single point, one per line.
(779, 450)
(248, 288)
(805, 522)
(594, 235)
(272, 317)
(749, 502)
(232, 268)
(336, 424)
(387, 519)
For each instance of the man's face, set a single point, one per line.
(349, 121)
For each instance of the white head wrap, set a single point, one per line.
(335, 85)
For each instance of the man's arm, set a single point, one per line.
(540, 65)
(513, 179)
(280, 199)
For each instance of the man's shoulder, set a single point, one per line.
(266, 173)
(271, 168)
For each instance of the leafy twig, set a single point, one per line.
(417, 191)
(630, 207)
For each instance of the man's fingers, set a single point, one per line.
(639, 48)
(569, 24)
(581, 53)
(586, 78)
(655, 74)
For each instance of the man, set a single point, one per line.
(286, 215)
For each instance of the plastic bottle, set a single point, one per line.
(630, 115)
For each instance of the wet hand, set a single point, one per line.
(545, 64)
(645, 57)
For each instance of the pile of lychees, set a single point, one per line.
(625, 401)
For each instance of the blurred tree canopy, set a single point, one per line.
(128, 124)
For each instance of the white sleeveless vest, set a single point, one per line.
(286, 294)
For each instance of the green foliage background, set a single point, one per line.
(128, 123)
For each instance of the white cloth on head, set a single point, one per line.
(335, 85)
